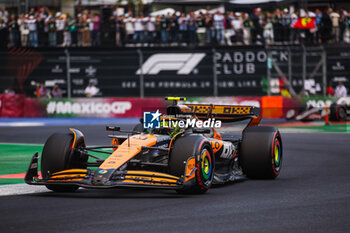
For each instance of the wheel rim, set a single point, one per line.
(277, 155)
(206, 164)
(342, 114)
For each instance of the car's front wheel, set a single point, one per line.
(57, 156)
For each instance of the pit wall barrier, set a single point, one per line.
(21, 106)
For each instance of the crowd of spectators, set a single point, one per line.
(42, 27)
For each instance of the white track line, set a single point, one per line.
(20, 124)
(20, 189)
(21, 144)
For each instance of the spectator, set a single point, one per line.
(129, 28)
(330, 90)
(9, 91)
(342, 24)
(286, 21)
(72, 29)
(95, 30)
(3, 28)
(229, 31)
(257, 29)
(200, 21)
(67, 36)
(182, 21)
(42, 91)
(79, 25)
(326, 28)
(91, 90)
(192, 29)
(14, 31)
(23, 28)
(209, 29)
(56, 92)
(139, 29)
(174, 29)
(318, 21)
(85, 28)
(340, 90)
(237, 24)
(60, 27)
(42, 28)
(51, 27)
(165, 28)
(219, 27)
(268, 30)
(42, 31)
(247, 24)
(277, 26)
(335, 24)
(33, 33)
(151, 30)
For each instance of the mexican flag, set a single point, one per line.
(304, 23)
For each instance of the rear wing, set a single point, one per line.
(225, 113)
(228, 113)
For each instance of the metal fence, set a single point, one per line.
(146, 72)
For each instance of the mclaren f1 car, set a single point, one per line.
(187, 159)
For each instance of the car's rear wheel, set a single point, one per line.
(261, 152)
(57, 156)
(338, 113)
(199, 148)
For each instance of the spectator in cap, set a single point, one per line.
(257, 29)
(237, 24)
(286, 21)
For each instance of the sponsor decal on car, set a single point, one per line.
(102, 171)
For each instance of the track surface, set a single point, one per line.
(312, 194)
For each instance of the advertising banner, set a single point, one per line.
(12, 105)
(101, 107)
(177, 72)
(338, 65)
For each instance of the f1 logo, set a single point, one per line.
(183, 63)
(151, 120)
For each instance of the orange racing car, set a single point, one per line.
(188, 159)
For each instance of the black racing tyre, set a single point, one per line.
(193, 145)
(57, 156)
(261, 152)
(338, 113)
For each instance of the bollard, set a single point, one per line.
(326, 117)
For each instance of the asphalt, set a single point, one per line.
(312, 194)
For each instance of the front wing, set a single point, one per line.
(87, 178)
